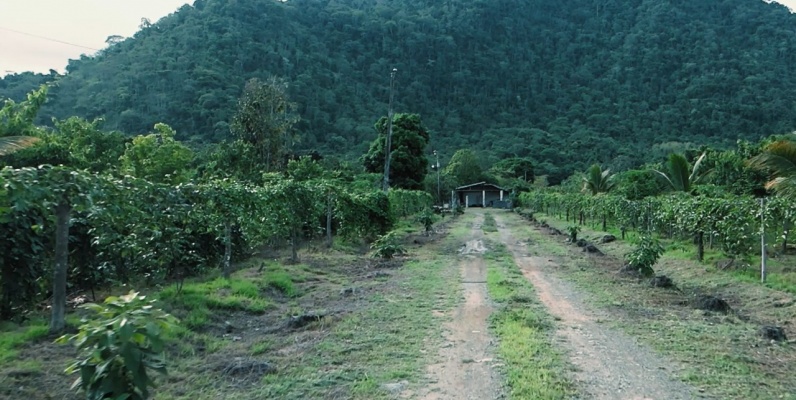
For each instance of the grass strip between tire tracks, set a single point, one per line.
(534, 368)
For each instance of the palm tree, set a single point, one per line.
(778, 158)
(10, 144)
(598, 181)
(680, 175)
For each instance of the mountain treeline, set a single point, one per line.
(567, 84)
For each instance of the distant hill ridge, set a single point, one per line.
(566, 83)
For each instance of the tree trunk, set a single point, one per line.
(294, 246)
(227, 268)
(62, 214)
(604, 223)
(785, 231)
(700, 242)
(329, 221)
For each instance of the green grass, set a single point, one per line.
(193, 304)
(277, 277)
(12, 336)
(721, 355)
(534, 368)
(380, 344)
(387, 337)
(489, 224)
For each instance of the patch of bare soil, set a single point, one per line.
(611, 365)
(467, 367)
(44, 379)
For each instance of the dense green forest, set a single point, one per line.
(618, 82)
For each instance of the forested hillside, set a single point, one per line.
(565, 83)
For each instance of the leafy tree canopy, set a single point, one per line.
(409, 163)
(158, 157)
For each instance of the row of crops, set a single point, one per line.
(732, 223)
(128, 229)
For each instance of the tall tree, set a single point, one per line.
(408, 165)
(464, 167)
(264, 120)
(158, 157)
(514, 168)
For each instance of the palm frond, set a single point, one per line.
(783, 185)
(665, 178)
(778, 157)
(679, 172)
(597, 181)
(10, 144)
(696, 171)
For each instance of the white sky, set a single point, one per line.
(83, 22)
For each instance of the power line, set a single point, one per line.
(46, 38)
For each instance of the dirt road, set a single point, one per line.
(466, 370)
(607, 363)
(610, 364)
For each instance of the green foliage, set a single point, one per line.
(644, 255)
(514, 168)
(573, 231)
(408, 164)
(387, 246)
(732, 221)
(404, 203)
(158, 157)
(120, 347)
(637, 184)
(365, 214)
(17, 119)
(236, 159)
(264, 119)
(305, 169)
(427, 218)
(779, 160)
(92, 149)
(128, 229)
(597, 180)
(582, 111)
(680, 175)
(464, 167)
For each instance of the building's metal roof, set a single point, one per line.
(481, 183)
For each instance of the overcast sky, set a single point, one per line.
(31, 31)
(81, 22)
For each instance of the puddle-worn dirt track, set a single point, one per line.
(611, 365)
(466, 370)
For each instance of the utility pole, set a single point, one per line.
(762, 241)
(388, 147)
(439, 195)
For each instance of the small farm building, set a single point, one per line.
(483, 194)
